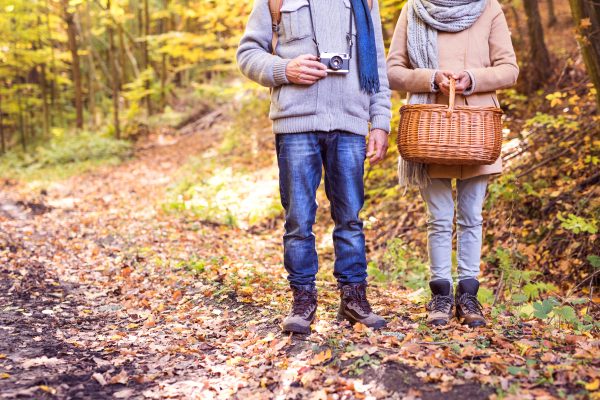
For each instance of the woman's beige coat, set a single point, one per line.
(485, 49)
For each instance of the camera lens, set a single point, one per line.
(336, 63)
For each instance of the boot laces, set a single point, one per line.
(303, 300)
(440, 303)
(358, 294)
(470, 304)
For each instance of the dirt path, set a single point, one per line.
(106, 295)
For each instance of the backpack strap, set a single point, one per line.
(275, 8)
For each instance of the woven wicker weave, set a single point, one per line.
(439, 134)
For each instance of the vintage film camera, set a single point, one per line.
(336, 63)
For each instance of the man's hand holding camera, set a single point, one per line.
(305, 70)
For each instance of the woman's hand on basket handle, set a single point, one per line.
(463, 81)
(442, 80)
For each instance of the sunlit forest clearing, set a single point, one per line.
(141, 224)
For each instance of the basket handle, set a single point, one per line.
(452, 96)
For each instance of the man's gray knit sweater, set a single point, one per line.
(335, 102)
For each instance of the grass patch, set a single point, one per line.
(63, 157)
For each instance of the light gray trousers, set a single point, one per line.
(440, 212)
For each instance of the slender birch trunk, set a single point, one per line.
(115, 78)
(68, 18)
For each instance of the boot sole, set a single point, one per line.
(476, 324)
(473, 324)
(378, 325)
(295, 328)
(437, 322)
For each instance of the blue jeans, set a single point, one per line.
(301, 158)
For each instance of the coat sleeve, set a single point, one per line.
(402, 76)
(504, 69)
(380, 106)
(254, 57)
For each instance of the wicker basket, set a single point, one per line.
(439, 134)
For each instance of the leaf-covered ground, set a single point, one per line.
(122, 283)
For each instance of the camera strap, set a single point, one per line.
(348, 35)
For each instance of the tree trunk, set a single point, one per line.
(55, 92)
(68, 18)
(21, 127)
(115, 78)
(587, 22)
(163, 76)
(140, 33)
(91, 67)
(551, 14)
(16, 83)
(520, 36)
(146, 55)
(122, 63)
(540, 59)
(2, 128)
(44, 90)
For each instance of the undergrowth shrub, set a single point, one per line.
(76, 149)
(402, 265)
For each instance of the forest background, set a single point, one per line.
(87, 85)
(86, 82)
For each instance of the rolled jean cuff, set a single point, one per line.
(303, 287)
(342, 284)
(433, 279)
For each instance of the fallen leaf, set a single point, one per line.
(391, 357)
(4, 375)
(359, 387)
(21, 392)
(124, 394)
(572, 339)
(593, 385)
(48, 389)
(43, 360)
(101, 363)
(319, 395)
(177, 296)
(97, 376)
(120, 378)
(270, 337)
(319, 358)
(413, 394)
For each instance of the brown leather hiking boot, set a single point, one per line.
(441, 305)
(302, 314)
(468, 308)
(354, 307)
